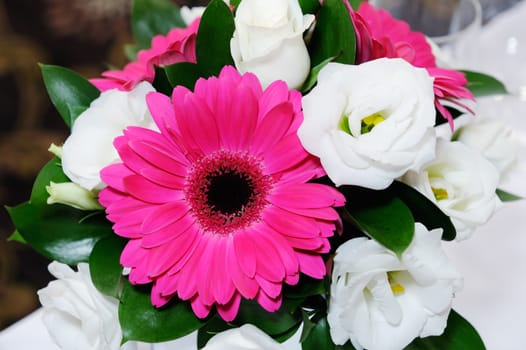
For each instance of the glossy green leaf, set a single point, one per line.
(459, 335)
(381, 215)
(104, 265)
(306, 287)
(143, 322)
(482, 84)
(183, 73)
(52, 171)
(60, 232)
(161, 82)
(272, 323)
(16, 237)
(334, 34)
(69, 92)
(213, 38)
(318, 336)
(424, 210)
(440, 119)
(507, 196)
(309, 6)
(313, 75)
(152, 17)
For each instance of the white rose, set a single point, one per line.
(89, 148)
(462, 183)
(370, 123)
(381, 302)
(76, 314)
(268, 41)
(495, 139)
(246, 337)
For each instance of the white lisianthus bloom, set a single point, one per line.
(382, 302)
(246, 337)
(89, 148)
(494, 138)
(76, 314)
(370, 123)
(268, 41)
(462, 183)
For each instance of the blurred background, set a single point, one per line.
(86, 36)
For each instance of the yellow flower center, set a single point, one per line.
(440, 193)
(396, 287)
(368, 123)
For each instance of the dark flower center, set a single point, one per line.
(227, 191)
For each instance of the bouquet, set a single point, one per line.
(262, 168)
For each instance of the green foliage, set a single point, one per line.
(152, 17)
(381, 215)
(507, 196)
(57, 231)
(459, 335)
(212, 47)
(482, 84)
(356, 3)
(334, 35)
(309, 6)
(70, 93)
(143, 322)
(313, 75)
(104, 266)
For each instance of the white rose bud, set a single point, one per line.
(70, 193)
(268, 41)
(462, 183)
(495, 139)
(76, 314)
(370, 123)
(381, 302)
(246, 337)
(89, 148)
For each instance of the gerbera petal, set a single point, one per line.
(245, 250)
(229, 310)
(312, 264)
(272, 127)
(268, 303)
(284, 154)
(309, 195)
(164, 215)
(147, 191)
(248, 287)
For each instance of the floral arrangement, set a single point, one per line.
(261, 168)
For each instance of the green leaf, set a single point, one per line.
(313, 75)
(183, 73)
(334, 34)
(507, 196)
(482, 84)
(306, 287)
(213, 38)
(60, 232)
(70, 93)
(318, 336)
(153, 17)
(424, 210)
(161, 82)
(272, 323)
(143, 322)
(105, 269)
(52, 171)
(381, 215)
(440, 119)
(355, 4)
(16, 237)
(459, 335)
(309, 6)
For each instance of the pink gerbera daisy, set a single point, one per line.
(217, 204)
(176, 46)
(380, 35)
